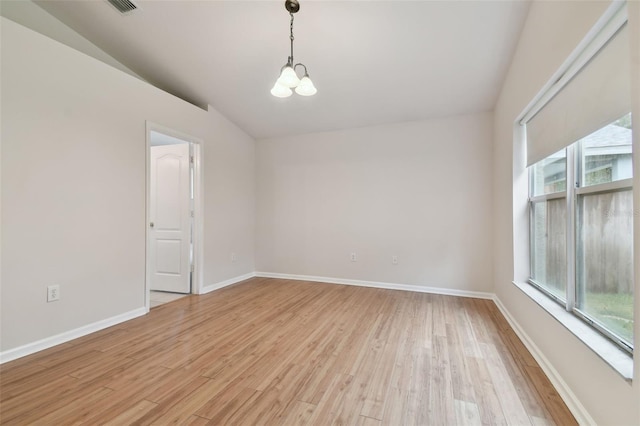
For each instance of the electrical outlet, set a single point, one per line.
(354, 257)
(234, 257)
(53, 293)
(394, 260)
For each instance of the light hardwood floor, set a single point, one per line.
(269, 351)
(157, 298)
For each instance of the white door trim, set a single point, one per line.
(196, 286)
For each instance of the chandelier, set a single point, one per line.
(288, 78)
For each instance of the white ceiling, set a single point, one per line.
(373, 62)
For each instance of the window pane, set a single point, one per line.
(550, 174)
(549, 246)
(605, 260)
(606, 153)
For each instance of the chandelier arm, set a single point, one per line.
(303, 66)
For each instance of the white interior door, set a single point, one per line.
(170, 218)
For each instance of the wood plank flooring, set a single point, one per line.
(270, 351)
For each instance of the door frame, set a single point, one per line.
(197, 243)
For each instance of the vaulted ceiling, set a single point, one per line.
(373, 62)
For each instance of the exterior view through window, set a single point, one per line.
(599, 208)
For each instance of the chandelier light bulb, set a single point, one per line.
(306, 87)
(280, 91)
(288, 77)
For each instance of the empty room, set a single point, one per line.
(319, 212)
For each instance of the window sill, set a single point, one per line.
(609, 352)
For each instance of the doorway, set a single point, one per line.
(173, 215)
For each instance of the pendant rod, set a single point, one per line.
(291, 38)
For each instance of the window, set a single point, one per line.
(604, 230)
(579, 155)
(548, 219)
(582, 234)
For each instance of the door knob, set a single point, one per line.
(151, 224)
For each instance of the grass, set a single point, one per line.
(614, 311)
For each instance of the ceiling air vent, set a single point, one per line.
(124, 6)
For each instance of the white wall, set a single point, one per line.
(552, 30)
(229, 201)
(73, 187)
(421, 191)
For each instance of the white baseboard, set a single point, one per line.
(30, 348)
(374, 284)
(575, 406)
(225, 283)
